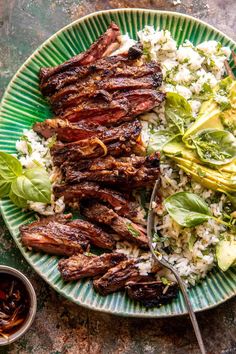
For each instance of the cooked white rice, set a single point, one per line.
(34, 151)
(185, 70)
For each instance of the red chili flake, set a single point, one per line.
(2, 295)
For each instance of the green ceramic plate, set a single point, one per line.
(23, 104)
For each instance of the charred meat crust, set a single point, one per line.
(53, 237)
(121, 225)
(82, 266)
(70, 132)
(115, 142)
(94, 234)
(133, 172)
(73, 80)
(59, 235)
(151, 293)
(66, 131)
(116, 277)
(89, 190)
(102, 91)
(121, 108)
(87, 82)
(95, 51)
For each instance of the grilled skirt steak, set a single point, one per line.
(117, 277)
(93, 87)
(121, 108)
(151, 293)
(53, 237)
(83, 266)
(73, 193)
(116, 141)
(100, 90)
(121, 225)
(70, 132)
(130, 172)
(96, 51)
(94, 234)
(96, 97)
(66, 131)
(84, 81)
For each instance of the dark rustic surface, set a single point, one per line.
(60, 326)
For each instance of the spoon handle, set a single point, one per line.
(190, 311)
(161, 260)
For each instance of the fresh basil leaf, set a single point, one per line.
(178, 111)
(18, 201)
(10, 167)
(187, 209)
(214, 146)
(33, 185)
(158, 140)
(5, 188)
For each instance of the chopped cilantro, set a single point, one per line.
(132, 230)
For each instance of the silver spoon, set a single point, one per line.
(157, 254)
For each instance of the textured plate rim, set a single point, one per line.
(22, 67)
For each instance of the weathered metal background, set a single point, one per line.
(60, 326)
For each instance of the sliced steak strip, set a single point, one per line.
(54, 237)
(141, 101)
(121, 225)
(88, 190)
(133, 172)
(85, 94)
(69, 132)
(83, 266)
(99, 112)
(151, 293)
(66, 131)
(95, 51)
(94, 234)
(117, 277)
(116, 141)
(77, 74)
(88, 149)
(107, 70)
(123, 107)
(62, 84)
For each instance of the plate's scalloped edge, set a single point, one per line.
(22, 67)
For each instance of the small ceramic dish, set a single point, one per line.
(5, 270)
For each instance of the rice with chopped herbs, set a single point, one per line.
(191, 71)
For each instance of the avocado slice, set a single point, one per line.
(176, 148)
(229, 168)
(226, 254)
(211, 115)
(187, 160)
(199, 175)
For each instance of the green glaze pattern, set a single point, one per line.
(23, 104)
